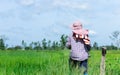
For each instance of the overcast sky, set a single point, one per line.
(33, 20)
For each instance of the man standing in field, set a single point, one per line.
(79, 44)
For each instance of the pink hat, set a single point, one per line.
(77, 28)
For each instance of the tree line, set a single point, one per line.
(115, 45)
(58, 45)
(43, 45)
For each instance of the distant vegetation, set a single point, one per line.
(58, 45)
(43, 45)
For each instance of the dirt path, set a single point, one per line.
(102, 66)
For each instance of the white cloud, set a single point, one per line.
(71, 4)
(27, 2)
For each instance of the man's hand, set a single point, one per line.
(86, 41)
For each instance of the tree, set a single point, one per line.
(63, 41)
(49, 45)
(10, 48)
(115, 37)
(31, 46)
(3, 38)
(23, 44)
(37, 46)
(17, 47)
(2, 44)
(95, 45)
(44, 44)
(55, 45)
(113, 47)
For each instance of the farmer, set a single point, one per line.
(79, 44)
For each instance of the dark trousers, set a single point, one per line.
(78, 64)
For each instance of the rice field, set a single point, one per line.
(113, 63)
(52, 62)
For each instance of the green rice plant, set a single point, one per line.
(44, 62)
(94, 63)
(113, 63)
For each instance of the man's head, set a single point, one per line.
(77, 25)
(78, 28)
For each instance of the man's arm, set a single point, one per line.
(87, 43)
(88, 47)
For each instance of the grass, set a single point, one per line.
(52, 62)
(33, 63)
(113, 63)
(94, 63)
